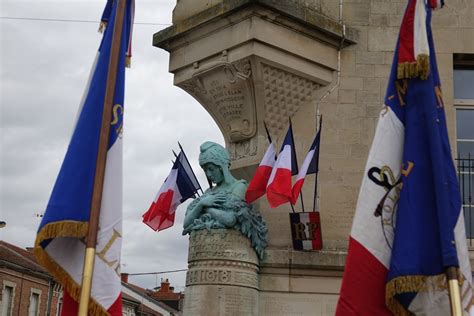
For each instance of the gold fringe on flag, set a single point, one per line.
(102, 26)
(420, 68)
(64, 229)
(412, 283)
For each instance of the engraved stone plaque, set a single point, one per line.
(222, 264)
(225, 90)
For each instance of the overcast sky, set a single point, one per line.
(44, 69)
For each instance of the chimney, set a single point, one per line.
(165, 286)
(124, 277)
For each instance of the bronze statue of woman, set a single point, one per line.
(223, 205)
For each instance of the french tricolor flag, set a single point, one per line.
(310, 165)
(279, 185)
(176, 189)
(408, 226)
(258, 184)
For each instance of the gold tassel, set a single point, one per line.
(64, 229)
(420, 68)
(128, 61)
(406, 284)
(102, 26)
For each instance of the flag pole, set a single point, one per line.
(454, 293)
(315, 196)
(268, 133)
(296, 162)
(91, 239)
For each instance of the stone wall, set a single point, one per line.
(350, 113)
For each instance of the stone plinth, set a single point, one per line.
(222, 276)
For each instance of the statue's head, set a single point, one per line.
(215, 161)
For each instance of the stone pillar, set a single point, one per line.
(250, 62)
(222, 276)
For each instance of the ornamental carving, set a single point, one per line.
(284, 93)
(225, 90)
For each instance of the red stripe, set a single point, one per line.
(258, 185)
(296, 190)
(116, 308)
(316, 240)
(70, 307)
(160, 215)
(363, 286)
(279, 191)
(406, 49)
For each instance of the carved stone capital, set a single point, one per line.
(225, 90)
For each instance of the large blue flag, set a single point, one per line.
(59, 245)
(408, 227)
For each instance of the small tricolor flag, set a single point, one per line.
(279, 187)
(258, 184)
(59, 245)
(310, 165)
(306, 231)
(176, 189)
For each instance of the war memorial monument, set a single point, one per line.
(256, 62)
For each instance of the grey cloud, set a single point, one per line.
(44, 70)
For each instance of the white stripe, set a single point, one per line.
(304, 168)
(307, 244)
(283, 162)
(168, 184)
(386, 150)
(269, 157)
(463, 257)
(69, 252)
(420, 37)
(86, 92)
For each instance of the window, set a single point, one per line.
(464, 103)
(7, 300)
(60, 306)
(33, 308)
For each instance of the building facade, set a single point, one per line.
(26, 289)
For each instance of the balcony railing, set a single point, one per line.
(466, 185)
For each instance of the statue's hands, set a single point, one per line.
(213, 200)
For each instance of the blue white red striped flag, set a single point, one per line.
(279, 185)
(408, 226)
(258, 184)
(59, 244)
(177, 188)
(310, 165)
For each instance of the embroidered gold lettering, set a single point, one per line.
(106, 248)
(407, 171)
(401, 90)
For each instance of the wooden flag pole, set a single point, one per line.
(454, 293)
(91, 240)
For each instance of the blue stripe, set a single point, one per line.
(72, 192)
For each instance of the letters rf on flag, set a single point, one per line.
(59, 245)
